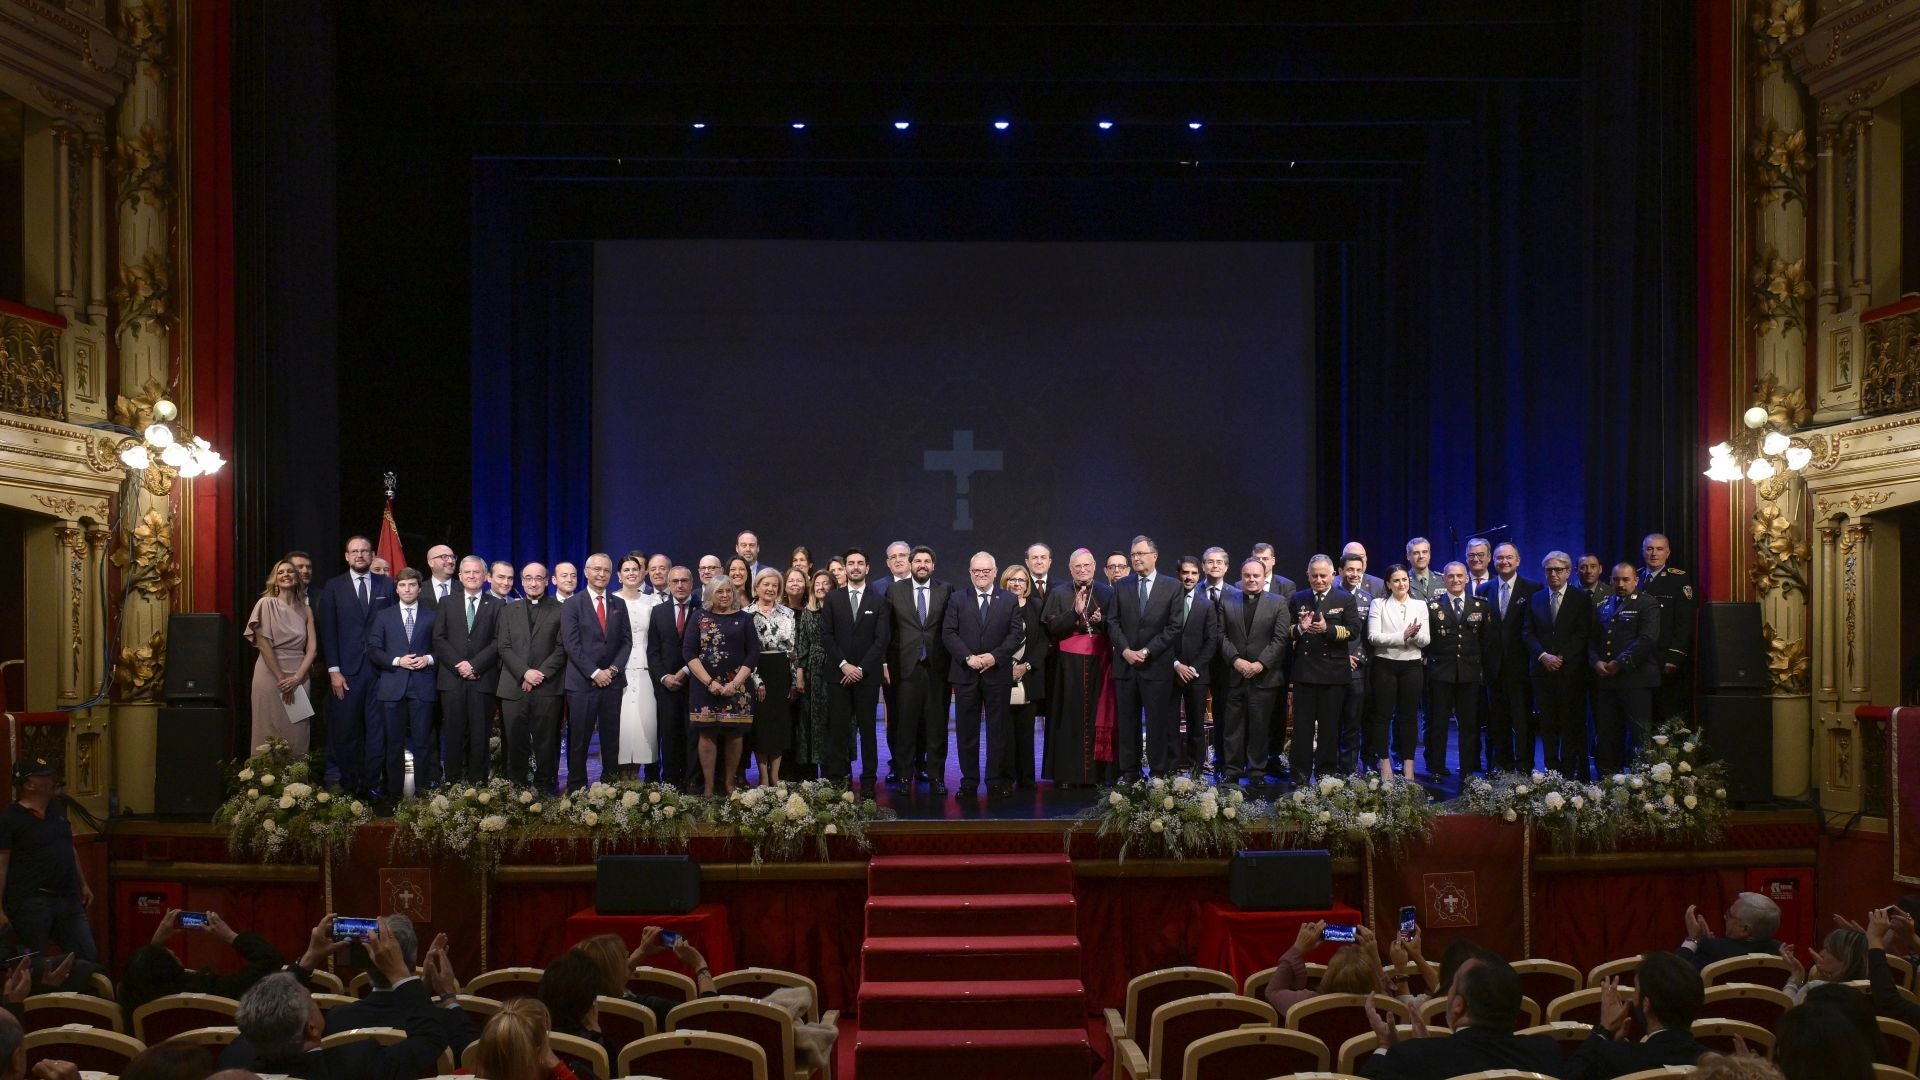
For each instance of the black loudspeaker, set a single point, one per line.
(1733, 652)
(645, 885)
(1281, 881)
(189, 744)
(197, 653)
(1739, 731)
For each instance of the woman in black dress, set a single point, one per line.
(810, 668)
(722, 651)
(773, 676)
(1029, 676)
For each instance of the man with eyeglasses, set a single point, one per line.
(1554, 630)
(1115, 566)
(344, 616)
(982, 630)
(1142, 630)
(709, 567)
(440, 564)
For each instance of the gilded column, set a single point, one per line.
(70, 571)
(63, 298)
(97, 232)
(1829, 250)
(1862, 291)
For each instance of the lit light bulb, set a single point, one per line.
(159, 435)
(1755, 417)
(1760, 470)
(1724, 470)
(135, 457)
(175, 456)
(190, 468)
(1799, 457)
(1775, 444)
(165, 409)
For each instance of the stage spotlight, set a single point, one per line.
(699, 125)
(1106, 125)
(1193, 125)
(799, 125)
(901, 125)
(1000, 125)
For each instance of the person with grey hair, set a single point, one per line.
(981, 630)
(722, 651)
(383, 1006)
(1326, 619)
(1141, 627)
(594, 632)
(1554, 629)
(13, 1051)
(1751, 921)
(466, 657)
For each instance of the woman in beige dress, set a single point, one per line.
(281, 628)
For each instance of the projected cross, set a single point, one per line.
(962, 461)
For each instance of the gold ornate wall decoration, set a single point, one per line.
(1789, 665)
(139, 670)
(1780, 551)
(1840, 758)
(31, 380)
(1781, 164)
(145, 293)
(1842, 346)
(144, 30)
(136, 412)
(146, 564)
(143, 167)
(1859, 502)
(1774, 24)
(1779, 292)
(1891, 381)
(69, 507)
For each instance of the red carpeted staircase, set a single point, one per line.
(971, 967)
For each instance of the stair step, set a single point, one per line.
(1029, 956)
(1020, 1054)
(1001, 914)
(989, 1005)
(905, 875)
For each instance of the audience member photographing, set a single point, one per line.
(383, 1006)
(513, 1045)
(1644, 1026)
(1353, 969)
(609, 954)
(1843, 960)
(1482, 1008)
(153, 971)
(1750, 923)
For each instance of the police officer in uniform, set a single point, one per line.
(1673, 590)
(1464, 641)
(1625, 657)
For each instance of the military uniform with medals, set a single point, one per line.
(1627, 634)
(1463, 641)
(1672, 588)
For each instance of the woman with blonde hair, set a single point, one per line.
(722, 649)
(513, 1045)
(775, 683)
(281, 628)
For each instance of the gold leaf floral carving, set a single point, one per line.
(139, 669)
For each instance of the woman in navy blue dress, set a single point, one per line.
(722, 650)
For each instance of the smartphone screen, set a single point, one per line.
(1338, 932)
(669, 938)
(193, 920)
(1409, 922)
(346, 929)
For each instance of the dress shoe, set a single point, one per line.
(920, 775)
(893, 781)
(937, 787)
(999, 791)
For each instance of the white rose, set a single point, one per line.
(1594, 792)
(1239, 796)
(631, 798)
(485, 798)
(253, 793)
(753, 796)
(1300, 797)
(358, 807)
(1229, 813)
(267, 780)
(440, 803)
(1660, 740)
(1554, 800)
(1368, 819)
(471, 792)
(1159, 782)
(1691, 802)
(1328, 785)
(323, 798)
(653, 798)
(1116, 799)
(526, 798)
(1578, 802)
(269, 825)
(590, 818)
(1636, 783)
(1166, 803)
(831, 829)
(1182, 785)
(566, 804)
(535, 808)
(1373, 783)
(667, 811)
(1666, 801)
(1686, 767)
(245, 775)
(1688, 747)
(1510, 815)
(1662, 772)
(1325, 816)
(286, 802)
(1647, 806)
(1520, 789)
(1619, 778)
(1209, 809)
(796, 806)
(1157, 825)
(846, 797)
(493, 823)
(1719, 793)
(1539, 777)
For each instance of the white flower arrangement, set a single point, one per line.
(475, 823)
(783, 821)
(624, 813)
(278, 811)
(1346, 814)
(1185, 817)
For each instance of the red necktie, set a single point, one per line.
(680, 618)
(600, 610)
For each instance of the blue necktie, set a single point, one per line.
(409, 628)
(360, 586)
(1146, 587)
(920, 601)
(1456, 607)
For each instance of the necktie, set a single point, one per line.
(360, 586)
(854, 598)
(1456, 607)
(1553, 607)
(409, 628)
(920, 602)
(1213, 594)
(443, 591)
(600, 610)
(1146, 589)
(680, 617)
(1506, 589)
(1040, 587)
(1186, 606)
(473, 602)
(983, 605)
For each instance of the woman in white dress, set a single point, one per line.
(639, 722)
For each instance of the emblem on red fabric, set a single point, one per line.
(1453, 900)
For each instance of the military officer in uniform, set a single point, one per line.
(1673, 590)
(1626, 666)
(1464, 640)
(1326, 620)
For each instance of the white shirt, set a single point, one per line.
(411, 613)
(1387, 622)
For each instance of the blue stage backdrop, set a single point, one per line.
(964, 395)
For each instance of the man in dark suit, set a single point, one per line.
(1462, 635)
(1751, 922)
(401, 648)
(1625, 655)
(343, 615)
(1372, 583)
(1554, 626)
(855, 631)
(1353, 725)
(1667, 995)
(1282, 588)
(1482, 1006)
(1253, 643)
(1326, 619)
(1673, 590)
(1510, 708)
(1278, 584)
(981, 631)
(386, 1005)
(467, 651)
(666, 628)
(594, 631)
(1196, 641)
(441, 583)
(532, 660)
(1216, 585)
(1142, 633)
(916, 671)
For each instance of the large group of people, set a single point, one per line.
(682, 673)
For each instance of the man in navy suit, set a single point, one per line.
(344, 615)
(466, 648)
(401, 647)
(1196, 639)
(1142, 634)
(1253, 645)
(1510, 715)
(1326, 620)
(982, 630)
(593, 626)
(916, 671)
(667, 666)
(855, 632)
(1555, 627)
(1216, 584)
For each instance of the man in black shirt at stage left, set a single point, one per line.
(42, 890)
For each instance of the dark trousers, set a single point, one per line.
(1243, 740)
(1133, 696)
(1189, 749)
(848, 707)
(1509, 719)
(467, 710)
(679, 755)
(42, 918)
(1450, 700)
(1280, 741)
(1675, 696)
(1621, 721)
(1018, 761)
(1563, 721)
(530, 727)
(974, 702)
(1320, 708)
(348, 718)
(1220, 688)
(1355, 716)
(588, 710)
(1396, 705)
(917, 721)
(404, 725)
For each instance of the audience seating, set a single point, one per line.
(329, 1002)
(1319, 1076)
(164, 1017)
(1335, 1018)
(1252, 1053)
(765, 1025)
(90, 1049)
(388, 1036)
(1903, 1043)
(695, 1055)
(1658, 1073)
(478, 1009)
(502, 984)
(574, 1046)
(1623, 969)
(1902, 971)
(1256, 984)
(102, 985)
(326, 982)
(1756, 1004)
(1313, 973)
(213, 1038)
(1433, 1012)
(1177, 1024)
(623, 1021)
(659, 982)
(1503, 1074)
(58, 1009)
(1148, 992)
(1888, 1072)
(1568, 1033)
(1581, 1006)
(1355, 1051)
(1760, 969)
(758, 982)
(1718, 1034)
(1544, 980)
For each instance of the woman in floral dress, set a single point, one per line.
(722, 650)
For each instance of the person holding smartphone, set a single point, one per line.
(153, 971)
(43, 894)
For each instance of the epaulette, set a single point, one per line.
(1673, 570)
